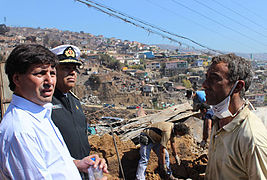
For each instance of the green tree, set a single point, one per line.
(3, 29)
(110, 62)
(187, 83)
(139, 66)
(162, 67)
(265, 99)
(262, 78)
(114, 64)
(142, 61)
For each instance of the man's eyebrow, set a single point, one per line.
(213, 73)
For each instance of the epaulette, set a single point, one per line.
(72, 93)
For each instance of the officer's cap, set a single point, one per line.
(67, 54)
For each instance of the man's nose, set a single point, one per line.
(73, 71)
(204, 84)
(49, 79)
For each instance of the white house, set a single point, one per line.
(153, 65)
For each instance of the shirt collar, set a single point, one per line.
(237, 120)
(37, 111)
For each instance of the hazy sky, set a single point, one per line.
(225, 25)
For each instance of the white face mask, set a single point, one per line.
(221, 110)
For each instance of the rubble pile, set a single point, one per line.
(192, 164)
(91, 99)
(119, 91)
(193, 158)
(95, 114)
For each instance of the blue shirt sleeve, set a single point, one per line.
(201, 96)
(24, 162)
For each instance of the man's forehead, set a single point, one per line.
(67, 65)
(42, 66)
(220, 67)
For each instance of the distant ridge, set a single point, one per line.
(256, 56)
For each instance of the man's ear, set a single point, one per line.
(16, 79)
(240, 85)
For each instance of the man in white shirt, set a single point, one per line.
(31, 146)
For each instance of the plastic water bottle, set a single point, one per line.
(94, 173)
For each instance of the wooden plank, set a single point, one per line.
(5, 92)
(135, 126)
(163, 115)
(183, 116)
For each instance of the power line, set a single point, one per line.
(211, 30)
(229, 28)
(133, 23)
(114, 13)
(151, 25)
(247, 9)
(169, 10)
(212, 9)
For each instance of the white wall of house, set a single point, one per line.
(148, 88)
(153, 65)
(171, 65)
(133, 61)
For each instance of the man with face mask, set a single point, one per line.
(238, 144)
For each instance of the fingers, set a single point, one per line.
(103, 165)
(93, 160)
(178, 161)
(104, 178)
(99, 162)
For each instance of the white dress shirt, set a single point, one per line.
(31, 145)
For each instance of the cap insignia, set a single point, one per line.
(69, 52)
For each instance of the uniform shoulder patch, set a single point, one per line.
(74, 95)
(57, 106)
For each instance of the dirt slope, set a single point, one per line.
(193, 160)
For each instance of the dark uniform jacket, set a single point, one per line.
(71, 121)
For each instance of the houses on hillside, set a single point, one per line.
(146, 63)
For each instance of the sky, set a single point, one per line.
(229, 26)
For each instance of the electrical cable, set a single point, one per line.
(115, 14)
(212, 9)
(229, 28)
(247, 9)
(211, 30)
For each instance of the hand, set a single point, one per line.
(177, 159)
(165, 169)
(84, 164)
(203, 143)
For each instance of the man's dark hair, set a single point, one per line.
(181, 128)
(25, 55)
(239, 69)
